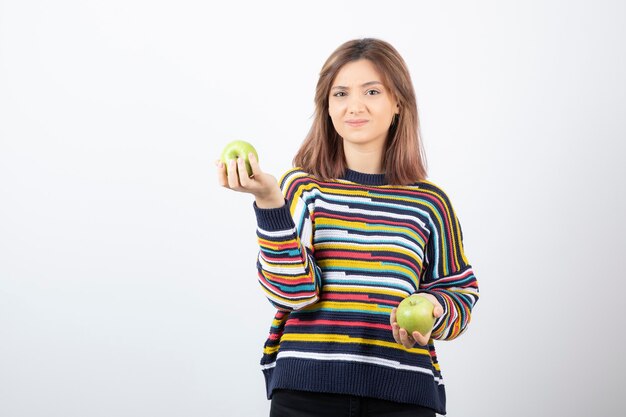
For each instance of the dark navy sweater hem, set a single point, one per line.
(359, 379)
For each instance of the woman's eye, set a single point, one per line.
(339, 94)
(372, 92)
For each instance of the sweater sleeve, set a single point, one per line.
(286, 265)
(447, 274)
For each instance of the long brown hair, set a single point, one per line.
(404, 160)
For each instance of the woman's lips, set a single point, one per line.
(356, 122)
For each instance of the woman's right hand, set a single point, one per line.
(263, 186)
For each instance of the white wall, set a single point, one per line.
(127, 276)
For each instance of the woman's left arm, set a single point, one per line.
(448, 276)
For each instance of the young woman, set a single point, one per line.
(347, 234)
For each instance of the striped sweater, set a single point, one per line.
(335, 260)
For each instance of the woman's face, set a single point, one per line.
(360, 106)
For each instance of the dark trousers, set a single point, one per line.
(288, 403)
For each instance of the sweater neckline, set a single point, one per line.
(363, 178)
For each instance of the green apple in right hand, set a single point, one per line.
(415, 313)
(236, 149)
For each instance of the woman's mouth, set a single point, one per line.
(356, 122)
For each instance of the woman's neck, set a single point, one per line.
(367, 161)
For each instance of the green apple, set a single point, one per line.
(415, 313)
(236, 149)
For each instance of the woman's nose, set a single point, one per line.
(355, 105)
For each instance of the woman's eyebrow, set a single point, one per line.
(367, 84)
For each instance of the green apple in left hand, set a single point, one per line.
(236, 149)
(416, 313)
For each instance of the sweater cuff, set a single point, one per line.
(273, 219)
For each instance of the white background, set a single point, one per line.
(127, 275)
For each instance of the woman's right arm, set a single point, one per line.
(287, 270)
(288, 273)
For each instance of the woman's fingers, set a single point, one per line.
(403, 337)
(420, 338)
(395, 329)
(233, 175)
(399, 335)
(392, 317)
(245, 179)
(221, 173)
(254, 164)
(237, 174)
(406, 340)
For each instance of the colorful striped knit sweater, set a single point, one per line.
(335, 260)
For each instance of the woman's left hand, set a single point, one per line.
(408, 340)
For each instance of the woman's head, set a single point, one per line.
(403, 156)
